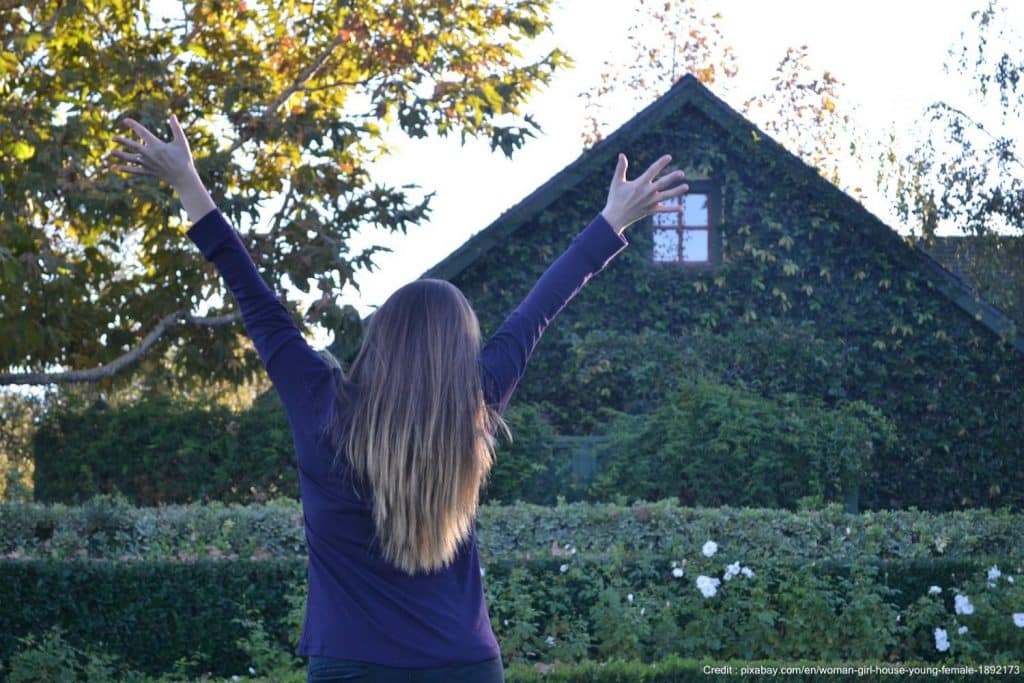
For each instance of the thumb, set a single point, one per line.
(176, 128)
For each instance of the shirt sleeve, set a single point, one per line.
(294, 367)
(504, 356)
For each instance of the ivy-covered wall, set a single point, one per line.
(811, 298)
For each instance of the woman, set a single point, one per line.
(391, 458)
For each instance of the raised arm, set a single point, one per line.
(503, 359)
(294, 367)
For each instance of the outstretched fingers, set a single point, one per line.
(668, 180)
(668, 187)
(654, 169)
(138, 147)
(668, 208)
(650, 192)
(129, 156)
(147, 137)
(677, 191)
(136, 170)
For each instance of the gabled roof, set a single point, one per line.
(688, 91)
(957, 253)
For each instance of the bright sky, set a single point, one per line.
(888, 53)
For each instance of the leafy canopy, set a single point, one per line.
(282, 100)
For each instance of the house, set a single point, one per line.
(774, 279)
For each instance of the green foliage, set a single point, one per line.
(108, 527)
(963, 168)
(169, 451)
(675, 669)
(617, 628)
(266, 655)
(824, 585)
(279, 99)
(525, 468)
(513, 614)
(710, 444)
(166, 451)
(773, 357)
(51, 658)
(988, 620)
(814, 297)
(593, 611)
(151, 614)
(19, 417)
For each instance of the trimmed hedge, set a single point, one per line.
(151, 614)
(51, 658)
(573, 583)
(166, 451)
(674, 669)
(109, 527)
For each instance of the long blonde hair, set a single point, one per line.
(418, 430)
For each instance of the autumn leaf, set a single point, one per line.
(22, 150)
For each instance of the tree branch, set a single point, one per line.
(298, 84)
(112, 368)
(976, 124)
(113, 41)
(335, 84)
(189, 37)
(275, 227)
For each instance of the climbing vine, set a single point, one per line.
(814, 296)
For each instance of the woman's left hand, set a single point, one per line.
(631, 200)
(168, 161)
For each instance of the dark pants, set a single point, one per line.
(330, 669)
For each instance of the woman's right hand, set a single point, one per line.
(631, 200)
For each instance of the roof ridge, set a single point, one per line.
(688, 90)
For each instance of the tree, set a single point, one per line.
(19, 417)
(284, 100)
(966, 171)
(667, 40)
(805, 112)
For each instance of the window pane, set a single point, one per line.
(696, 209)
(667, 219)
(666, 245)
(695, 245)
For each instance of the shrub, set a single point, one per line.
(52, 659)
(525, 468)
(711, 444)
(166, 451)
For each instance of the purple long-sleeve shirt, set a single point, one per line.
(358, 605)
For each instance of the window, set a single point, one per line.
(690, 238)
